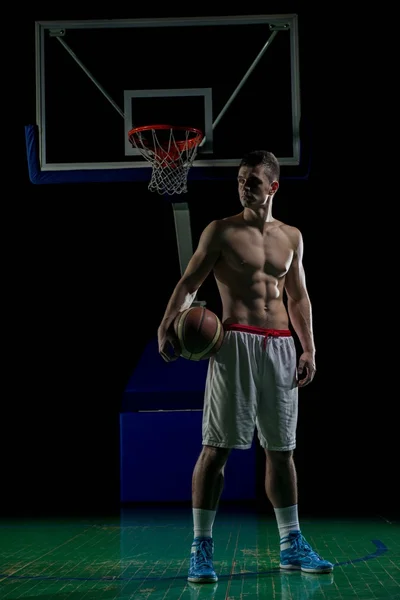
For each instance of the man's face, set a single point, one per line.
(254, 186)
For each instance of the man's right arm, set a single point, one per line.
(198, 268)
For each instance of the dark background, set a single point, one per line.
(82, 298)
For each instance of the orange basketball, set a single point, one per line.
(199, 331)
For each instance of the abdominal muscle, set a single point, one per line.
(255, 300)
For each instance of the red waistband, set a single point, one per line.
(257, 330)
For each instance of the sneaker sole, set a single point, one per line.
(305, 570)
(202, 579)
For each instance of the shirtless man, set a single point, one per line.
(252, 381)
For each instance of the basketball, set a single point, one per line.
(199, 331)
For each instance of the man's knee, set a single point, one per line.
(279, 457)
(215, 456)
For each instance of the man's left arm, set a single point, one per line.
(300, 311)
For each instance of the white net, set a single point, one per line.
(171, 152)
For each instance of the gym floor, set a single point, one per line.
(143, 553)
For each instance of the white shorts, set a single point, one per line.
(252, 383)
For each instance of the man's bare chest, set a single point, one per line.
(269, 255)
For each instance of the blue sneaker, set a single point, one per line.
(201, 568)
(301, 557)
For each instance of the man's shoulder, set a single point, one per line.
(290, 230)
(291, 233)
(219, 225)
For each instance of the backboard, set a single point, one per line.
(235, 77)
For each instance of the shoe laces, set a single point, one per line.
(203, 553)
(298, 542)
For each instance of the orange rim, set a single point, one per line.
(181, 144)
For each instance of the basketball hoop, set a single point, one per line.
(171, 151)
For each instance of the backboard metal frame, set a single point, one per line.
(276, 23)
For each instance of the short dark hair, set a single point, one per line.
(262, 157)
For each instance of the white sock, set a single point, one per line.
(203, 521)
(287, 520)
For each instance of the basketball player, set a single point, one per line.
(253, 380)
